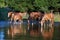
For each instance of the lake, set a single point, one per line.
(25, 31)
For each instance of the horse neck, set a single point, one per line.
(12, 15)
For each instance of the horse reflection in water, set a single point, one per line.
(34, 30)
(16, 29)
(16, 16)
(47, 34)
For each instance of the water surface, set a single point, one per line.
(25, 31)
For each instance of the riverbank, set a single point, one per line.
(57, 18)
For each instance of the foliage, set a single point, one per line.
(3, 14)
(42, 4)
(28, 5)
(56, 19)
(2, 3)
(25, 5)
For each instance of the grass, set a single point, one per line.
(25, 17)
(57, 18)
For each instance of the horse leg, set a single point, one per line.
(14, 21)
(42, 26)
(28, 24)
(38, 18)
(20, 20)
(28, 21)
(51, 22)
(11, 20)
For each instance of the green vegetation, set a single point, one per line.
(57, 18)
(25, 5)
(26, 16)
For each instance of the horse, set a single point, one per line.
(16, 16)
(48, 17)
(35, 15)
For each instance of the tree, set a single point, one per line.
(20, 5)
(41, 4)
(54, 3)
(25, 5)
(2, 3)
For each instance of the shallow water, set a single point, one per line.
(26, 31)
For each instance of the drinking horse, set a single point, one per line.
(16, 16)
(47, 17)
(35, 15)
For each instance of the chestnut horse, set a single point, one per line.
(16, 16)
(47, 17)
(35, 15)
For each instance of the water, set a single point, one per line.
(26, 31)
(1, 35)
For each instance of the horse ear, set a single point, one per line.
(20, 13)
(9, 14)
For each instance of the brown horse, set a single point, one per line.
(35, 15)
(16, 16)
(46, 18)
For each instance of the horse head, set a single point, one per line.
(10, 14)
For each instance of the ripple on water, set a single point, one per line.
(1, 35)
